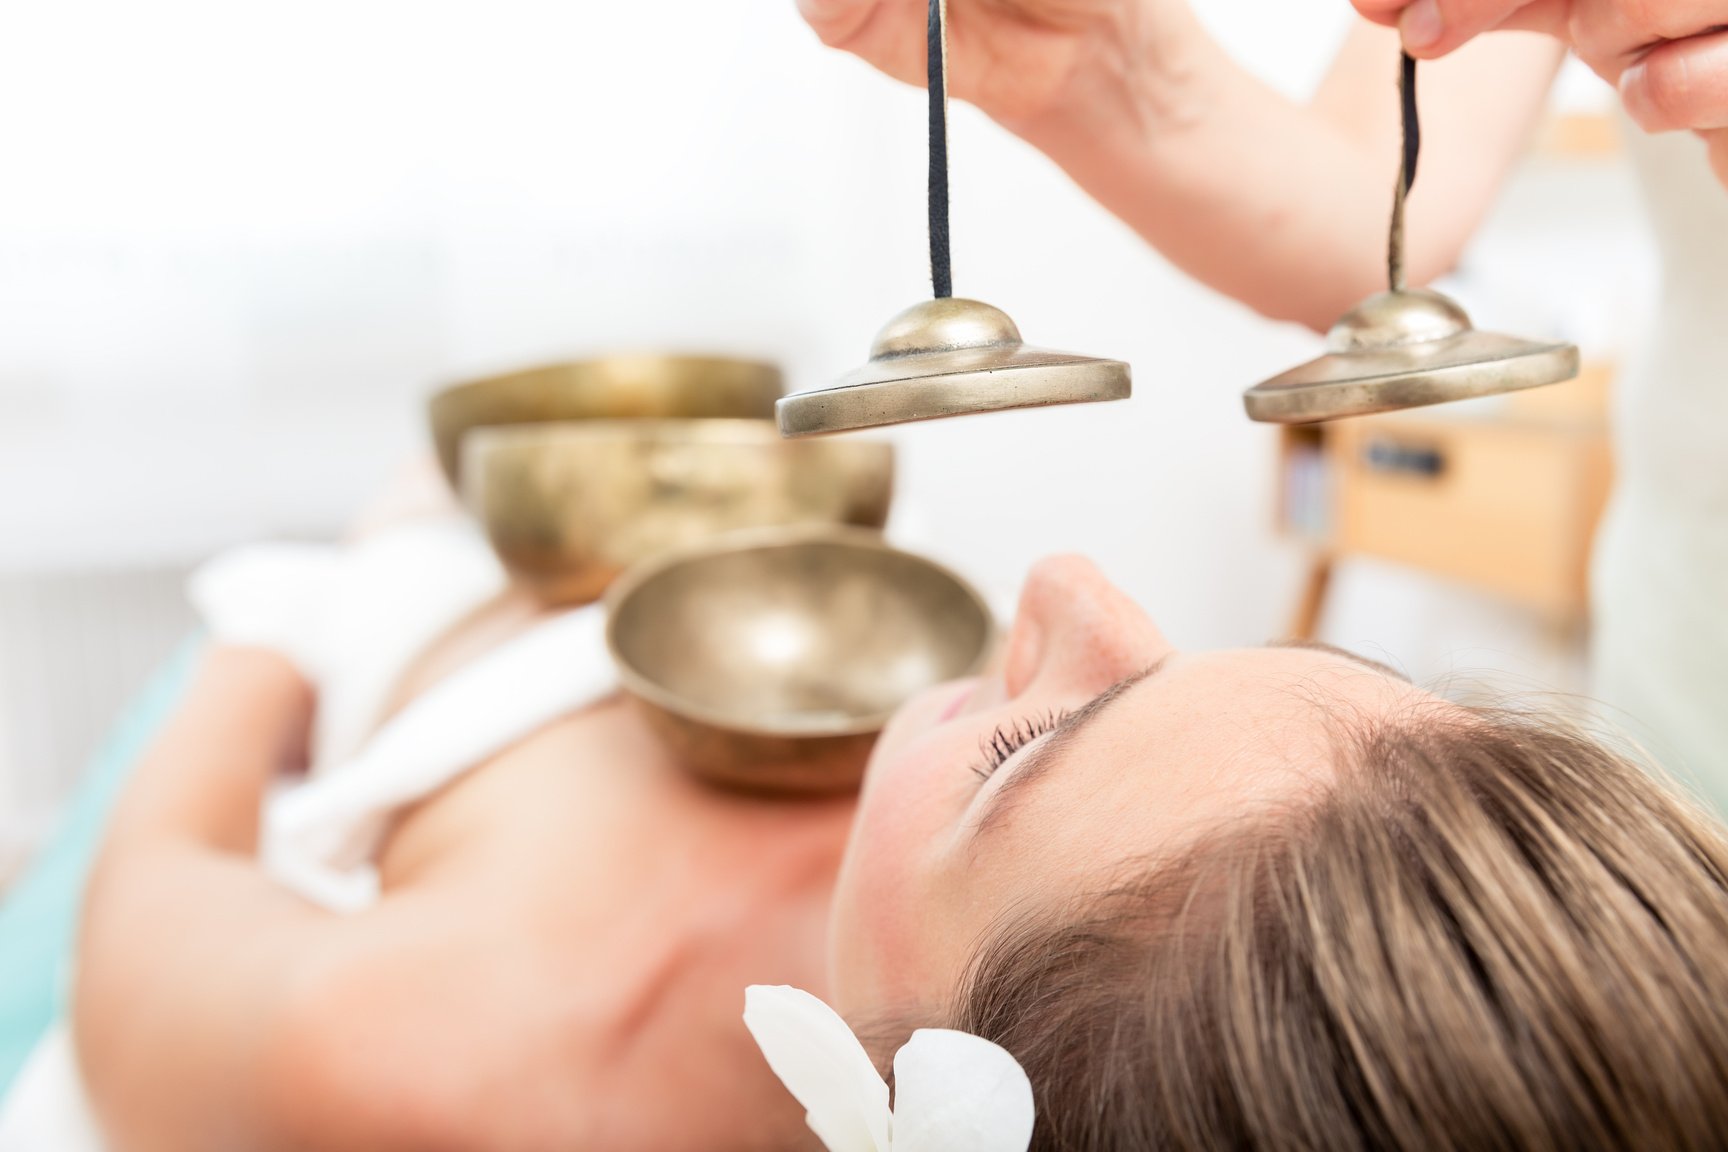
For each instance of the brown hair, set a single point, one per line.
(1488, 932)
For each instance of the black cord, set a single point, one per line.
(1412, 123)
(941, 261)
(1407, 177)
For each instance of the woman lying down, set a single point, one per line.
(1276, 898)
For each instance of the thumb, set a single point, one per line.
(1680, 84)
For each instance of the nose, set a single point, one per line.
(1075, 632)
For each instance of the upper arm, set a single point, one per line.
(192, 963)
(1479, 109)
(214, 1009)
(191, 968)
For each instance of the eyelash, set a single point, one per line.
(1010, 738)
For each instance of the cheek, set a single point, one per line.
(884, 912)
(874, 922)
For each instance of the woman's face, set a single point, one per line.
(1098, 745)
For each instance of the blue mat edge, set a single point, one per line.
(39, 918)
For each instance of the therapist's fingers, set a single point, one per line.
(1652, 20)
(836, 21)
(1381, 11)
(1680, 84)
(1432, 28)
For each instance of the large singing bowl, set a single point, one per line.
(569, 506)
(770, 662)
(607, 388)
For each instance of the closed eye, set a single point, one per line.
(1038, 761)
(1009, 738)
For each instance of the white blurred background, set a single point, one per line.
(240, 242)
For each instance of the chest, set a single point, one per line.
(591, 812)
(606, 914)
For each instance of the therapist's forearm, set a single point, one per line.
(1280, 204)
(245, 718)
(1244, 190)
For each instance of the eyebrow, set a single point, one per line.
(1038, 761)
(1334, 650)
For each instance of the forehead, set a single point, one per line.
(1211, 736)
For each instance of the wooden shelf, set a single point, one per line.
(1505, 499)
(1580, 136)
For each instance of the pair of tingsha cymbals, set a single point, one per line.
(1404, 348)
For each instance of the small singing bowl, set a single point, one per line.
(569, 506)
(769, 662)
(606, 388)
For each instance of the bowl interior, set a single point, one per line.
(814, 636)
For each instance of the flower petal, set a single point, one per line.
(822, 1064)
(954, 1092)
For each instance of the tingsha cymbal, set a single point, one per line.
(1409, 347)
(950, 357)
(1406, 349)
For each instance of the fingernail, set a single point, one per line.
(1421, 25)
(1634, 94)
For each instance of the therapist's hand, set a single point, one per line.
(1669, 58)
(1015, 59)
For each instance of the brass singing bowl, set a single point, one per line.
(568, 506)
(607, 388)
(770, 662)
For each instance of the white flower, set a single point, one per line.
(954, 1092)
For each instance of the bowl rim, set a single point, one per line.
(719, 431)
(636, 684)
(454, 410)
(695, 360)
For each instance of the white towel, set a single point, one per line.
(320, 838)
(352, 618)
